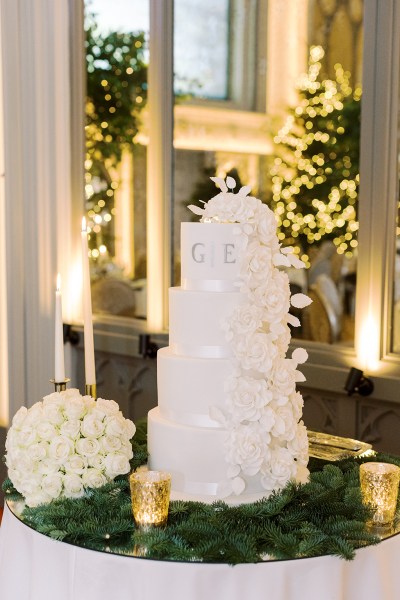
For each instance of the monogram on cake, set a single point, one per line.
(228, 422)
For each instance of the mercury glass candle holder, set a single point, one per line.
(150, 493)
(379, 489)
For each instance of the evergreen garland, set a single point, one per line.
(323, 516)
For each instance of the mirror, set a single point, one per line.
(115, 169)
(290, 131)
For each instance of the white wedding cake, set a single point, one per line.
(227, 425)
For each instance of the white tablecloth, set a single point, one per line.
(34, 567)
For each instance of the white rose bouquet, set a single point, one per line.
(66, 443)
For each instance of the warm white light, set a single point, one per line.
(83, 224)
(58, 284)
(368, 345)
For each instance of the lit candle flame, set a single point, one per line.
(84, 224)
(58, 284)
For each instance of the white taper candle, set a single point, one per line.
(90, 373)
(59, 366)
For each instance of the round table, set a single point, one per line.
(35, 567)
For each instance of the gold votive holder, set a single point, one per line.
(150, 492)
(379, 489)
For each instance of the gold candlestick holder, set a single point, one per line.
(60, 386)
(91, 390)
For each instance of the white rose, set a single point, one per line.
(53, 484)
(48, 466)
(266, 225)
(298, 446)
(116, 464)
(93, 478)
(247, 447)
(92, 426)
(52, 412)
(87, 447)
(75, 464)
(110, 443)
(96, 461)
(27, 436)
(109, 407)
(74, 408)
(115, 425)
(126, 449)
(130, 428)
(282, 376)
(69, 394)
(274, 297)
(46, 430)
(267, 419)
(38, 451)
(54, 399)
(285, 424)
(20, 459)
(71, 428)
(60, 448)
(297, 402)
(257, 264)
(73, 485)
(19, 417)
(281, 468)
(244, 319)
(247, 397)
(255, 351)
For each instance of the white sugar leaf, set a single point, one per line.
(196, 209)
(300, 355)
(220, 183)
(299, 377)
(246, 189)
(280, 260)
(217, 415)
(296, 262)
(287, 250)
(300, 300)
(293, 321)
(233, 471)
(224, 489)
(238, 485)
(230, 182)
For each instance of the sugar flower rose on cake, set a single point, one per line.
(65, 444)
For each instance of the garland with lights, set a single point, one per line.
(323, 516)
(315, 178)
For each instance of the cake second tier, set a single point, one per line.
(196, 321)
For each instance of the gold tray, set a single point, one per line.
(333, 447)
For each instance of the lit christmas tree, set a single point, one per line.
(315, 178)
(116, 94)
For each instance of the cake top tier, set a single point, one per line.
(210, 257)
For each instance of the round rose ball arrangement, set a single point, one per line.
(65, 444)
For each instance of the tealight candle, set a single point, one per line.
(379, 488)
(150, 492)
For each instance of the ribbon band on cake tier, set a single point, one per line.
(201, 488)
(188, 418)
(209, 285)
(201, 351)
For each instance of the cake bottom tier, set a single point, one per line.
(195, 458)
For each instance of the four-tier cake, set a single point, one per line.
(228, 422)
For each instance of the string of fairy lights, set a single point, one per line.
(315, 179)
